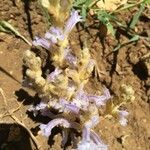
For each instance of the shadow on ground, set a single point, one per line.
(14, 137)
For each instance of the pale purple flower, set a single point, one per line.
(51, 37)
(100, 100)
(55, 104)
(87, 145)
(86, 134)
(41, 42)
(53, 75)
(123, 114)
(54, 34)
(73, 20)
(95, 137)
(69, 57)
(98, 141)
(86, 142)
(46, 129)
(90, 141)
(72, 108)
(81, 100)
(92, 122)
(63, 105)
(69, 107)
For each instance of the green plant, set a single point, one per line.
(8, 28)
(109, 19)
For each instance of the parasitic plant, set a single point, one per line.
(63, 90)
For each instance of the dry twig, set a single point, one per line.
(10, 113)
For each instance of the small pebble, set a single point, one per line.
(144, 120)
(11, 72)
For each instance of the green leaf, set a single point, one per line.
(2, 29)
(133, 39)
(6, 27)
(136, 17)
(146, 1)
(110, 28)
(88, 3)
(79, 2)
(84, 12)
(126, 6)
(117, 47)
(105, 18)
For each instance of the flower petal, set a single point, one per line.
(100, 100)
(94, 143)
(98, 141)
(81, 100)
(73, 20)
(123, 114)
(41, 42)
(53, 75)
(70, 58)
(54, 34)
(46, 129)
(93, 121)
(70, 107)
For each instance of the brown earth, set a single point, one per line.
(130, 65)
